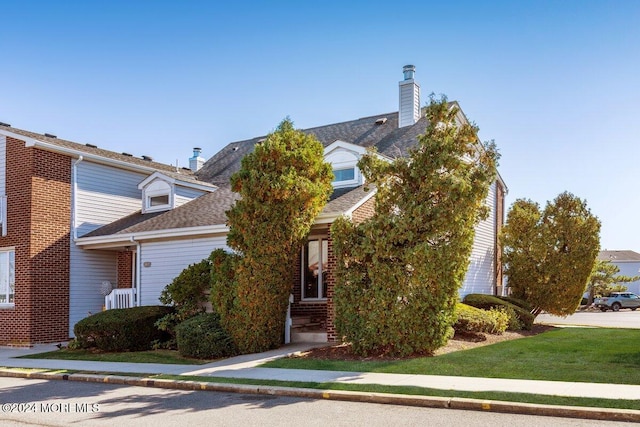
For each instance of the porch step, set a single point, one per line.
(317, 335)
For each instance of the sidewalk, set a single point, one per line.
(247, 366)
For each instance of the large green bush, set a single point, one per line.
(472, 319)
(519, 318)
(203, 337)
(398, 273)
(284, 183)
(187, 293)
(123, 329)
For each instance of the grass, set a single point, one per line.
(151, 356)
(568, 354)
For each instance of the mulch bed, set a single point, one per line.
(459, 342)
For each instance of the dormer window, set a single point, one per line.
(341, 175)
(158, 196)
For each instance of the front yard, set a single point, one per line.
(566, 354)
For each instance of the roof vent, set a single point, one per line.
(186, 168)
(5, 124)
(381, 121)
(127, 154)
(91, 145)
(147, 158)
(262, 139)
(48, 135)
(235, 148)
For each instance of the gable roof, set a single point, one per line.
(51, 143)
(619, 256)
(372, 131)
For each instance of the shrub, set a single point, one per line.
(123, 329)
(202, 337)
(187, 294)
(523, 319)
(472, 319)
(517, 302)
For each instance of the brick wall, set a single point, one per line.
(125, 269)
(364, 211)
(38, 187)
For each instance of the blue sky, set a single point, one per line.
(554, 83)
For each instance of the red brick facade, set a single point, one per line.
(38, 189)
(325, 310)
(125, 269)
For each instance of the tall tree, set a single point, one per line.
(549, 254)
(284, 184)
(398, 273)
(605, 279)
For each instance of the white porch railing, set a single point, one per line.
(120, 298)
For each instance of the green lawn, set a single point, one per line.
(151, 356)
(567, 354)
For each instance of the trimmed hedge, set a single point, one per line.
(518, 302)
(472, 319)
(202, 337)
(123, 329)
(519, 318)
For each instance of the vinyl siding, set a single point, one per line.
(104, 194)
(481, 273)
(630, 269)
(166, 260)
(184, 195)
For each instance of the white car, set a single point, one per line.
(618, 300)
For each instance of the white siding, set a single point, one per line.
(184, 195)
(630, 269)
(104, 194)
(88, 269)
(3, 165)
(166, 260)
(480, 277)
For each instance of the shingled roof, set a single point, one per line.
(619, 256)
(91, 149)
(380, 131)
(206, 210)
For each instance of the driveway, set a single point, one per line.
(621, 319)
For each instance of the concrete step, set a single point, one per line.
(318, 335)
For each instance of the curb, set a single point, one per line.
(604, 414)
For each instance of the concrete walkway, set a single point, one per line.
(247, 366)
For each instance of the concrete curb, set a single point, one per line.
(605, 414)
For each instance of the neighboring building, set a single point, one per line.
(76, 218)
(629, 264)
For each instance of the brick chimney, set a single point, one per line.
(409, 111)
(196, 162)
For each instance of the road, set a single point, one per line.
(609, 319)
(28, 402)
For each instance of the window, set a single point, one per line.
(159, 200)
(158, 196)
(314, 265)
(7, 276)
(344, 174)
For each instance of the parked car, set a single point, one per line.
(618, 300)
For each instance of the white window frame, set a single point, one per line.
(7, 277)
(346, 182)
(303, 273)
(151, 193)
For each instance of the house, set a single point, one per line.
(629, 264)
(78, 220)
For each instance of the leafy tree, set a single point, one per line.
(284, 184)
(604, 279)
(398, 273)
(549, 254)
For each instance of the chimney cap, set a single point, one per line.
(409, 71)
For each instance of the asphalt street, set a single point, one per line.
(28, 402)
(621, 319)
